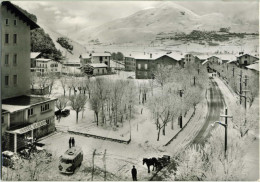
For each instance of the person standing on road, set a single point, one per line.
(70, 142)
(134, 174)
(73, 142)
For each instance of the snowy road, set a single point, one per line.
(215, 108)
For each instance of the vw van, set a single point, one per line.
(70, 160)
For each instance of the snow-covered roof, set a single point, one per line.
(175, 55)
(254, 66)
(43, 59)
(14, 108)
(228, 57)
(146, 56)
(202, 57)
(85, 56)
(98, 65)
(232, 61)
(205, 62)
(100, 54)
(246, 54)
(34, 55)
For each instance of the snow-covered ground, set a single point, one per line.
(252, 152)
(121, 157)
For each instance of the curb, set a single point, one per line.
(100, 137)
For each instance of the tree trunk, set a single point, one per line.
(163, 130)
(97, 117)
(64, 92)
(77, 116)
(159, 131)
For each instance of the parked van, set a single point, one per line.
(70, 160)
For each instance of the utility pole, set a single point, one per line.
(93, 165)
(226, 116)
(240, 87)
(105, 169)
(180, 118)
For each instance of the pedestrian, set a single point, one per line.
(73, 142)
(70, 141)
(134, 174)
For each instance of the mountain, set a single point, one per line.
(78, 49)
(167, 17)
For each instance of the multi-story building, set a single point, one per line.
(129, 63)
(101, 58)
(147, 64)
(246, 59)
(22, 115)
(34, 56)
(95, 63)
(48, 66)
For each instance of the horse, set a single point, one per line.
(150, 162)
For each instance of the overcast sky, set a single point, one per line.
(65, 15)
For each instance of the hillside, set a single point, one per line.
(78, 49)
(168, 17)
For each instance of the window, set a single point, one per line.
(139, 66)
(105, 57)
(48, 121)
(6, 22)
(45, 107)
(15, 38)
(145, 66)
(6, 38)
(2, 119)
(7, 59)
(15, 22)
(6, 81)
(30, 112)
(15, 79)
(15, 59)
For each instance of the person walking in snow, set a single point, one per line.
(134, 174)
(73, 142)
(70, 141)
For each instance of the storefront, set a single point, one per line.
(18, 137)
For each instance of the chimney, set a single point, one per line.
(151, 55)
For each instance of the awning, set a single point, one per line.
(29, 128)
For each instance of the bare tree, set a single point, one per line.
(77, 103)
(63, 81)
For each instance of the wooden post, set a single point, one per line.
(104, 161)
(93, 165)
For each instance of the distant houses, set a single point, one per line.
(95, 63)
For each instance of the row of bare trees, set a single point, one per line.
(168, 104)
(209, 162)
(112, 101)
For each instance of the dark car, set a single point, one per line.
(65, 113)
(9, 159)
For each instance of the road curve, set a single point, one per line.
(215, 107)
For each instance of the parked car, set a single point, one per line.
(9, 158)
(65, 113)
(70, 160)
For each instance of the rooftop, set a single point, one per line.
(98, 65)
(43, 59)
(246, 54)
(35, 55)
(71, 153)
(24, 100)
(254, 66)
(20, 14)
(101, 54)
